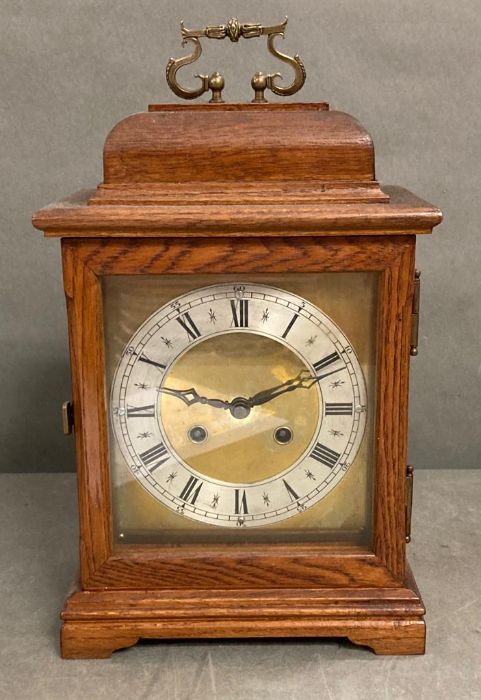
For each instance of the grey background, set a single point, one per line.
(408, 70)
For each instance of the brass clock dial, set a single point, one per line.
(239, 404)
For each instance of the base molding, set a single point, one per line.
(98, 622)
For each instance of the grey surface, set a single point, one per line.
(408, 70)
(38, 557)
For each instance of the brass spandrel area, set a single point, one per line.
(344, 514)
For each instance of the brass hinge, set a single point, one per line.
(415, 313)
(67, 417)
(409, 500)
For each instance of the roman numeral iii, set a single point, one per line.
(338, 409)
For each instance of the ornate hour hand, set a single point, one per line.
(241, 407)
(304, 380)
(190, 396)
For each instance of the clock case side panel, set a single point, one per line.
(230, 566)
(85, 324)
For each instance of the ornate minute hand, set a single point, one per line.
(190, 396)
(304, 380)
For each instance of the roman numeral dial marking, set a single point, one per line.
(325, 455)
(240, 506)
(148, 361)
(191, 490)
(155, 456)
(240, 313)
(326, 361)
(292, 494)
(338, 409)
(289, 325)
(141, 411)
(189, 326)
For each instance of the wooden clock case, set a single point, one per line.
(240, 188)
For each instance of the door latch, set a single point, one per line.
(415, 313)
(409, 500)
(67, 418)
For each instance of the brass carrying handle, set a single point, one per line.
(234, 30)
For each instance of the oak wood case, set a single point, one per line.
(334, 220)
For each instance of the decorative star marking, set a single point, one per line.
(143, 436)
(215, 501)
(336, 433)
(337, 383)
(212, 316)
(265, 315)
(141, 385)
(167, 342)
(265, 497)
(171, 477)
(311, 340)
(310, 475)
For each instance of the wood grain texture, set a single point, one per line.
(86, 360)
(95, 623)
(74, 218)
(394, 337)
(219, 145)
(85, 261)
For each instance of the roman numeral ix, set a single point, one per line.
(141, 411)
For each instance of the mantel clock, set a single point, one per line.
(242, 303)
